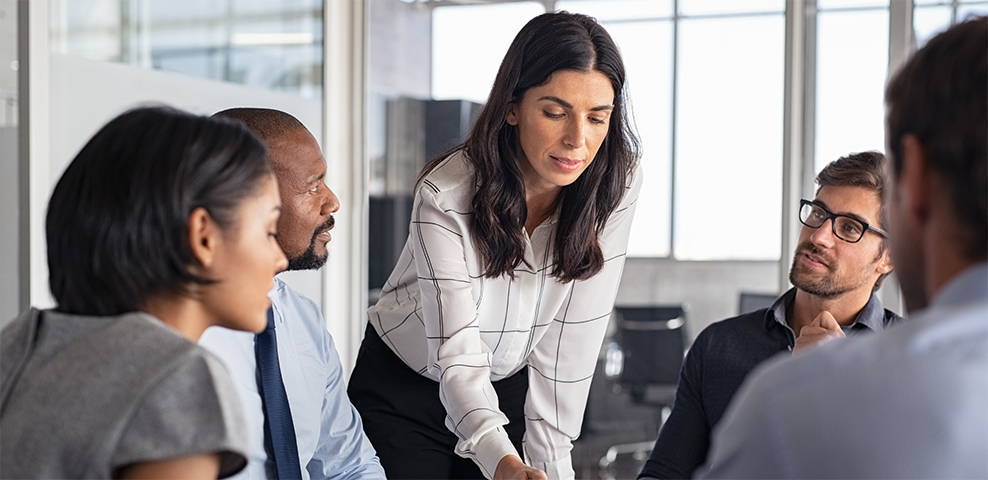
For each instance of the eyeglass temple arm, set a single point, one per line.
(878, 231)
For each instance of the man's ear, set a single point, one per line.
(512, 116)
(914, 181)
(885, 262)
(204, 238)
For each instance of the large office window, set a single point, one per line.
(704, 87)
(851, 4)
(262, 44)
(643, 31)
(468, 44)
(852, 62)
(729, 7)
(729, 138)
(706, 82)
(649, 73)
(931, 17)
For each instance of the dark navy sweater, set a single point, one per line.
(720, 359)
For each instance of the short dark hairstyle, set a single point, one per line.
(940, 96)
(866, 170)
(266, 123)
(547, 44)
(117, 223)
(863, 169)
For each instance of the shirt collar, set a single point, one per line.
(277, 291)
(966, 287)
(872, 316)
(277, 285)
(777, 312)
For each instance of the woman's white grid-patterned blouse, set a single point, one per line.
(449, 323)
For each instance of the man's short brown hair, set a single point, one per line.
(864, 169)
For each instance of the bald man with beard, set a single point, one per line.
(289, 377)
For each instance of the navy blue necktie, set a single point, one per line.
(279, 431)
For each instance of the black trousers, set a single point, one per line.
(405, 420)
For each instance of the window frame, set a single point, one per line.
(799, 105)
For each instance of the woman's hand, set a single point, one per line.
(194, 466)
(512, 468)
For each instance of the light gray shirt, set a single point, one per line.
(81, 397)
(911, 402)
(328, 430)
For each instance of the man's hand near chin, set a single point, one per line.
(823, 328)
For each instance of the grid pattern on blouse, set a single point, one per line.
(449, 323)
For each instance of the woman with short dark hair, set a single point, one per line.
(489, 327)
(161, 226)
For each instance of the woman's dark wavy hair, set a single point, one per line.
(117, 223)
(548, 43)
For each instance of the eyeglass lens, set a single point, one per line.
(845, 228)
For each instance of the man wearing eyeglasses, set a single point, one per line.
(911, 402)
(840, 261)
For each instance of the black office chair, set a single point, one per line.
(652, 343)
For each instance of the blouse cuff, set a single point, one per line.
(491, 448)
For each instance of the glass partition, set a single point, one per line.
(262, 44)
(9, 166)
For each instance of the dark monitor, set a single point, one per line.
(388, 229)
(749, 302)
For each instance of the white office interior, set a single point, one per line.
(738, 104)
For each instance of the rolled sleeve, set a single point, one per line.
(563, 362)
(457, 355)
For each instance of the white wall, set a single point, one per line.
(9, 188)
(85, 94)
(9, 218)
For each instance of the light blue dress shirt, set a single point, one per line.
(910, 402)
(330, 435)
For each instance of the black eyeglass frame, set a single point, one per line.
(833, 221)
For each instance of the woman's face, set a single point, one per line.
(561, 125)
(247, 260)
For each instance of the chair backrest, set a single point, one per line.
(653, 341)
(750, 301)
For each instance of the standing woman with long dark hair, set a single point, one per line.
(485, 338)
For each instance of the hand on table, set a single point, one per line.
(512, 468)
